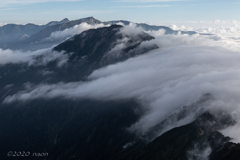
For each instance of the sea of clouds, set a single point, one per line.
(179, 73)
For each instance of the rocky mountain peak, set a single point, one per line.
(65, 20)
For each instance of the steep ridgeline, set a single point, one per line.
(198, 140)
(15, 32)
(88, 129)
(96, 48)
(65, 128)
(45, 33)
(37, 40)
(65, 20)
(84, 53)
(147, 27)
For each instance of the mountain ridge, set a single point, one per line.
(35, 40)
(13, 32)
(85, 128)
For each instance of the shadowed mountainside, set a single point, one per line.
(97, 129)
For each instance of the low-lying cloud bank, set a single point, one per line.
(39, 57)
(163, 80)
(228, 35)
(179, 73)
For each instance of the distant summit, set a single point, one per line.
(65, 20)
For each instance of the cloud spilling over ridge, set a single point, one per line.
(39, 57)
(199, 152)
(163, 80)
(179, 73)
(131, 29)
(77, 29)
(233, 132)
(129, 33)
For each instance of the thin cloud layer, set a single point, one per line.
(33, 1)
(39, 57)
(146, 6)
(77, 29)
(147, 1)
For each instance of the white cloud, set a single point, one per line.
(163, 80)
(233, 132)
(3, 24)
(39, 57)
(234, 21)
(175, 27)
(147, 1)
(217, 21)
(131, 29)
(199, 152)
(33, 1)
(146, 6)
(69, 32)
(194, 25)
(179, 73)
(157, 33)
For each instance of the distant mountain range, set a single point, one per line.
(30, 36)
(14, 32)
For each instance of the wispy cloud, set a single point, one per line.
(8, 9)
(87, 12)
(69, 32)
(4, 3)
(34, 1)
(147, 1)
(39, 57)
(146, 6)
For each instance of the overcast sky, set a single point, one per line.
(150, 11)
